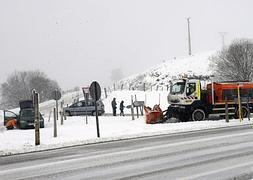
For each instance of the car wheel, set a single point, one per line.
(198, 115)
(67, 113)
(42, 125)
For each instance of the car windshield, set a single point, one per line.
(178, 88)
(27, 113)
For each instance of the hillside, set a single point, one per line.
(162, 74)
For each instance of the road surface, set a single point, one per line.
(210, 154)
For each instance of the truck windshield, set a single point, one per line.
(178, 88)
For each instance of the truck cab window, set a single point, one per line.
(178, 88)
(191, 88)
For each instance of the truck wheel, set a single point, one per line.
(245, 112)
(198, 115)
(167, 114)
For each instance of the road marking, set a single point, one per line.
(216, 171)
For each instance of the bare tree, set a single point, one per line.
(19, 86)
(234, 63)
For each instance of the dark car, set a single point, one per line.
(25, 118)
(81, 108)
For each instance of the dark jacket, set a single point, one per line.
(121, 106)
(114, 104)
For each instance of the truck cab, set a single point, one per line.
(184, 92)
(185, 100)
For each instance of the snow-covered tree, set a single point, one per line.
(19, 86)
(234, 63)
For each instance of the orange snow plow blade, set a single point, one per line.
(153, 116)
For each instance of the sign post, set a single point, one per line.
(95, 92)
(86, 93)
(56, 94)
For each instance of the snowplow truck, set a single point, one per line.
(189, 99)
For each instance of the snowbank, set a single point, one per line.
(75, 131)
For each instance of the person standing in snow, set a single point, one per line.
(114, 107)
(121, 107)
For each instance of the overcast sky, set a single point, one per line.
(77, 41)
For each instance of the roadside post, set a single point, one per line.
(95, 92)
(239, 103)
(55, 123)
(105, 92)
(57, 109)
(226, 108)
(137, 108)
(56, 95)
(248, 107)
(64, 115)
(132, 107)
(62, 102)
(49, 115)
(86, 93)
(36, 116)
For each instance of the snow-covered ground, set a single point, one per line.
(161, 74)
(75, 131)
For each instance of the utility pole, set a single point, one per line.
(223, 38)
(189, 36)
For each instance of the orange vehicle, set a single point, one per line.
(155, 115)
(191, 100)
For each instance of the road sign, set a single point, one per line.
(138, 103)
(56, 95)
(95, 90)
(95, 93)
